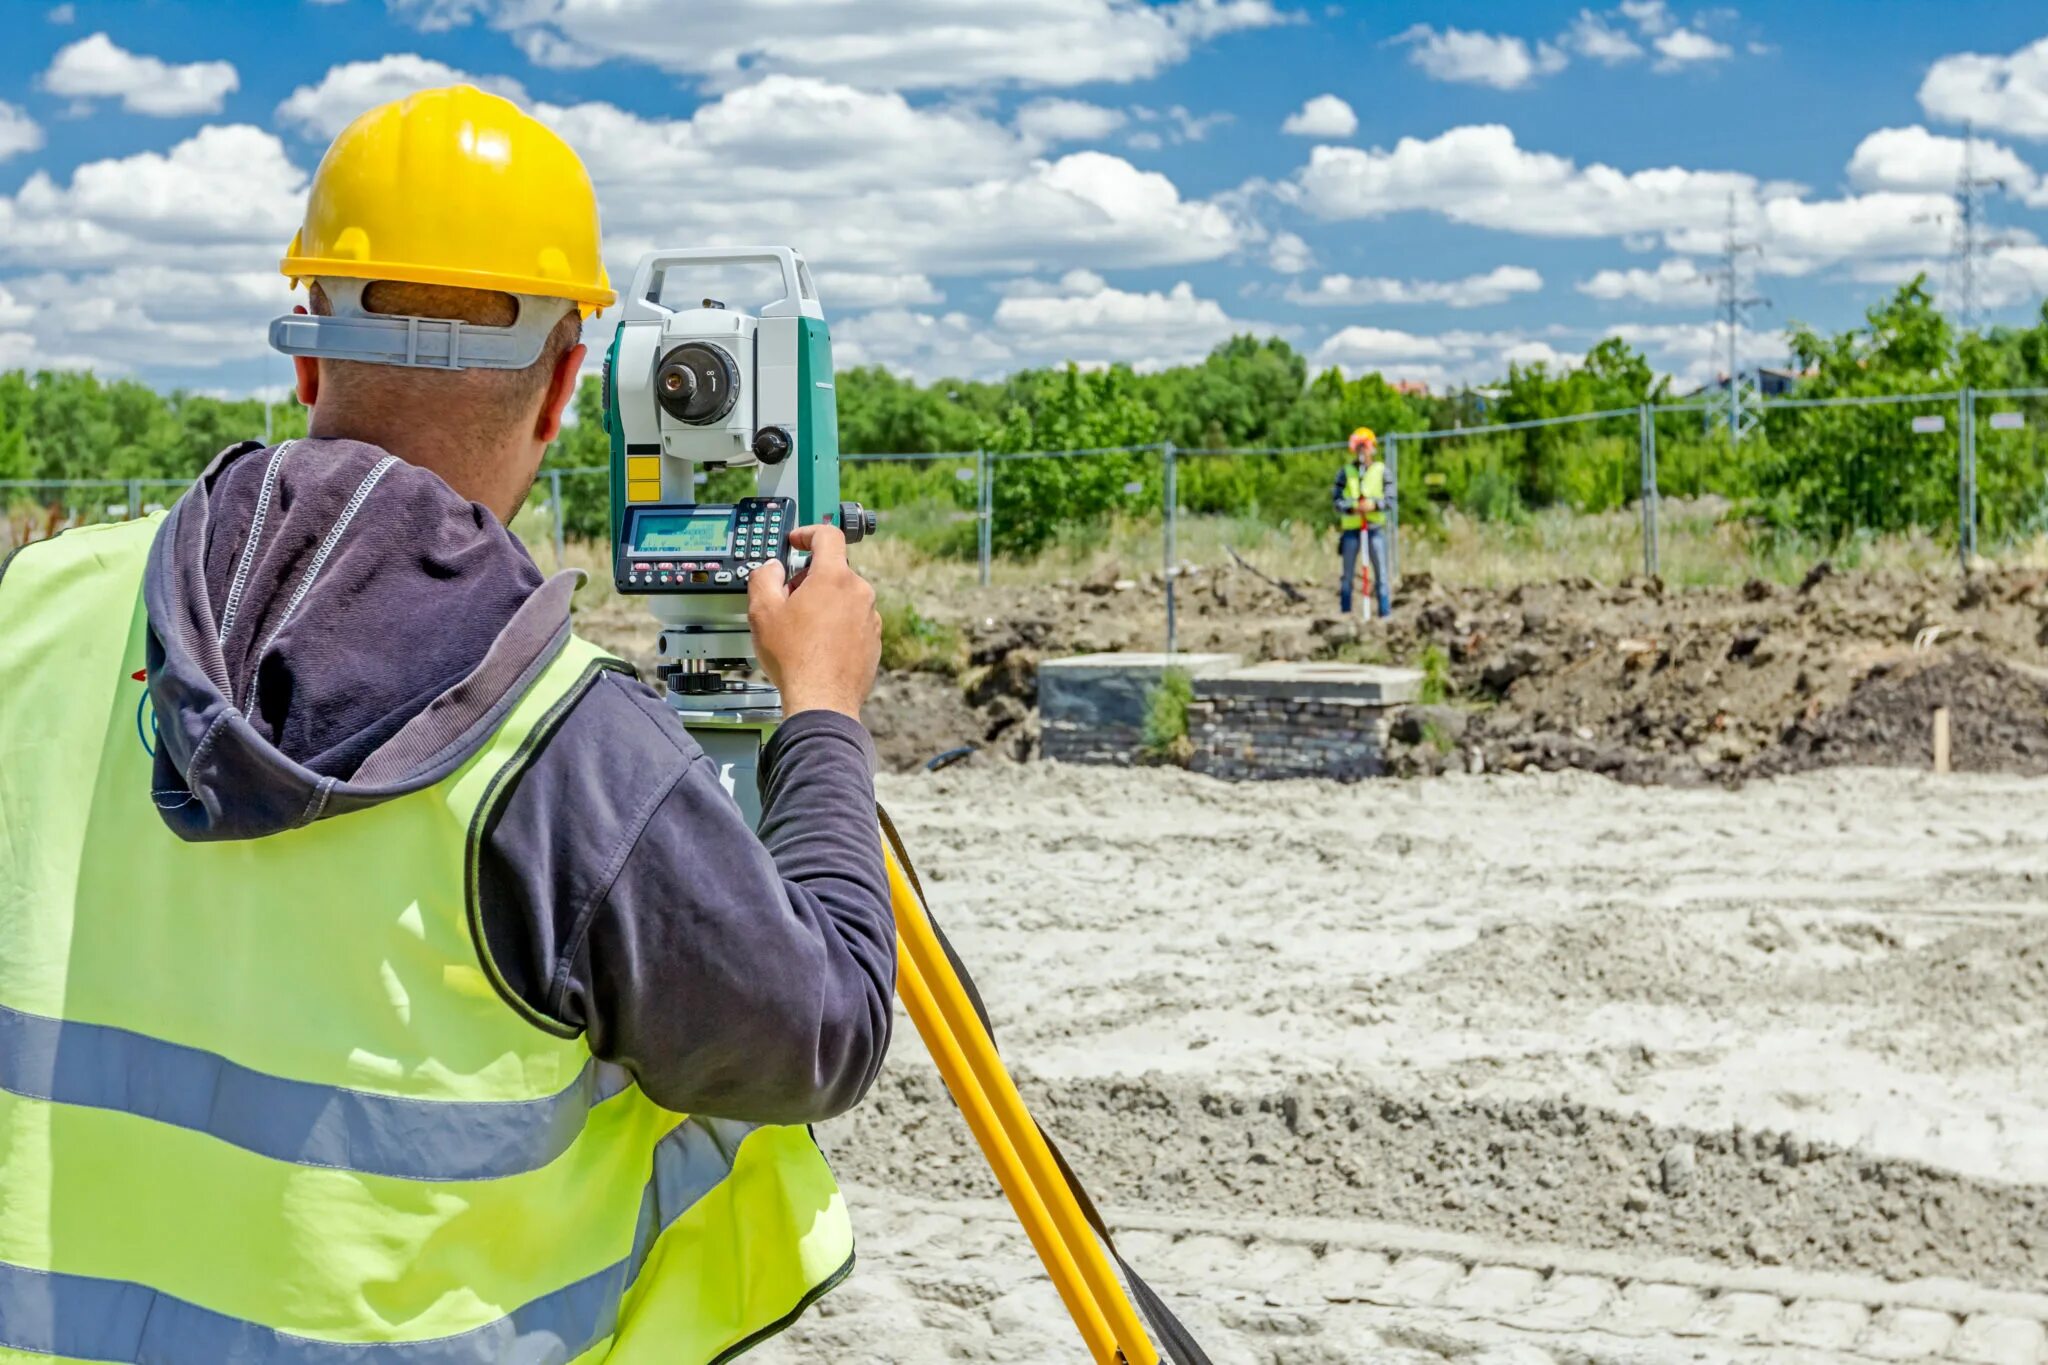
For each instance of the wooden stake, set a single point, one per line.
(1941, 739)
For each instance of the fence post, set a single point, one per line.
(1393, 491)
(555, 516)
(1646, 435)
(134, 499)
(1172, 495)
(1966, 479)
(984, 509)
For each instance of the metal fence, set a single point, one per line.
(1999, 430)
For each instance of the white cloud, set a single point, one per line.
(1592, 36)
(1047, 121)
(95, 68)
(18, 132)
(870, 183)
(1477, 174)
(883, 44)
(885, 197)
(1078, 317)
(1677, 281)
(1322, 116)
(1443, 360)
(62, 14)
(325, 108)
(852, 289)
(1696, 353)
(1175, 124)
(1289, 254)
(1345, 291)
(133, 316)
(925, 346)
(1687, 47)
(1912, 158)
(2012, 272)
(1651, 16)
(1499, 60)
(2006, 94)
(155, 203)
(1106, 325)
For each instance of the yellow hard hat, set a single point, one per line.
(457, 187)
(1363, 437)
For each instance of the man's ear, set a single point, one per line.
(561, 389)
(306, 371)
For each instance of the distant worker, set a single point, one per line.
(1359, 498)
(385, 974)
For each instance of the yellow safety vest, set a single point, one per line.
(1372, 484)
(259, 1100)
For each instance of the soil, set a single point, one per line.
(1749, 1042)
(1632, 680)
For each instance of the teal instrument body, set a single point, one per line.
(691, 390)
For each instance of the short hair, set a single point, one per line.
(512, 392)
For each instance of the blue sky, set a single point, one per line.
(1428, 190)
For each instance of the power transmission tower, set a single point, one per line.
(1741, 413)
(1971, 243)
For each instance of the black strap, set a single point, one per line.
(1173, 1339)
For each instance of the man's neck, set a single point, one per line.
(425, 445)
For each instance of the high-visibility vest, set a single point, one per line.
(1371, 484)
(260, 1101)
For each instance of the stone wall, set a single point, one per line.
(1297, 720)
(1242, 738)
(1091, 708)
(1268, 721)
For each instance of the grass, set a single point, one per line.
(1700, 546)
(911, 640)
(1436, 675)
(1166, 716)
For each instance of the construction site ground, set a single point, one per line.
(1501, 1068)
(1668, 1010)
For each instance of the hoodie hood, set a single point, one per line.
(330, 627)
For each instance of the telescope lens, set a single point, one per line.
(697, 383)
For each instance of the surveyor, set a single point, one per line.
(384, 972)
(1359, 498)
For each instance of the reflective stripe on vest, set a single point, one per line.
(259, 1099)
(1373, 485)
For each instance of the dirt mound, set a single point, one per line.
(1592, 959)
(1543, 1170)
(1998, 718)
(1635, 680)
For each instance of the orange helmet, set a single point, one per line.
(1363, 439)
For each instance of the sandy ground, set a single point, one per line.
(1496, 1069)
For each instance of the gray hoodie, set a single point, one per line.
(331, 627)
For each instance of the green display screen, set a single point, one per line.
(682, 533)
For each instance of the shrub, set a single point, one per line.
(912, 640)
(1166, 716)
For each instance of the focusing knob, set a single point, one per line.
(771, 445)
(855, 522)
(697, 383)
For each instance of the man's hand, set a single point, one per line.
(819, 637)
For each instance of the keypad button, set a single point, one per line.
(721, 577)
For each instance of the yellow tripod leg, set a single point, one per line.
(1016, 1150)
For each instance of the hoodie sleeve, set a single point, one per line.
(623, 896)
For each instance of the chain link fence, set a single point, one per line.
(1964, 465)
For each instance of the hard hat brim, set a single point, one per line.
(302, 268)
